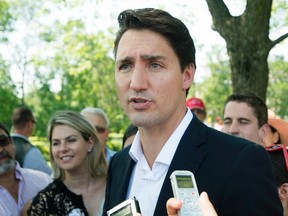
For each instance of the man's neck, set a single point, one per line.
(8, 178)
(21, 132)
(10, 183)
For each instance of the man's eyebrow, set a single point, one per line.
(143, 57)
(152, 57)
(126, 59)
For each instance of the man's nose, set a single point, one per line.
(139, 79)
(233, 129)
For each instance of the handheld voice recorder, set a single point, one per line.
(126, 208)
(184, 188)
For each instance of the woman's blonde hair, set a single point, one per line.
(96, 157)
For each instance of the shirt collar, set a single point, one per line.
(20, 136)
(167, 152)
(18, 173)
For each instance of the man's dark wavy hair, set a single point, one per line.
(161, 22)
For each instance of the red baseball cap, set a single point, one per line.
(195, 103)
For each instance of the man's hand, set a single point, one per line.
(173, 205)
(25, 208)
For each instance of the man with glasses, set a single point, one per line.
(26, 154)
(17, 185)
(100, 121)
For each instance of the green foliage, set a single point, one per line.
(8, 100)
(277, 97)
(216, 87)
(73, 68)
(6, 17)
(85, 69)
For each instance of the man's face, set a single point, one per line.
(151, 87)
(31, 125)
(201, 114)
(239, 120)
(7, 161)
(100, 125)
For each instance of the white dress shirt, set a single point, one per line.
(145, 184)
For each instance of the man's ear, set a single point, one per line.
(283, 191)
(276, 137)
(188, 76)
(263, 131)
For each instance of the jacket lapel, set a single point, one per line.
(187, 157)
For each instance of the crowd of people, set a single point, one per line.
(241, 170)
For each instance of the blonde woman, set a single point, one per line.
(79, 168)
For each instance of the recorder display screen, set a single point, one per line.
(184, 181)
(124, 211)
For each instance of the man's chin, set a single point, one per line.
(7, 166)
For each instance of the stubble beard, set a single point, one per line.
(8, 164)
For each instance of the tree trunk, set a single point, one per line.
(248, 43)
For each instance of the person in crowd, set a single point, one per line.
(279, 157)
(246, 116)
(197, 106)
(154, 69)
(17, 185)
(79, 167)
(100, 121)
(129, 135)
(28, 155)
(277, 132)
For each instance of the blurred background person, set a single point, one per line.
(279, 158)
(197, 106)
(17, 185)
(129, 135)
(100, 121)
(277, 132)
(79, 168)
(28, 155)
(246, 116)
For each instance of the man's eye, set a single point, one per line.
(244, 122)
(155, 66)
(226, 122)
(125, 67)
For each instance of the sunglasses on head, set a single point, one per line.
(4, 140)
(281, 148)
(100, 129)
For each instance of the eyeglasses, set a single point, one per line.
(4, 141)
(100, 129)
(279, 148)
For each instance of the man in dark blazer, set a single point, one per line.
(155, 66)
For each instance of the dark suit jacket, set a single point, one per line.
(236, 174)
